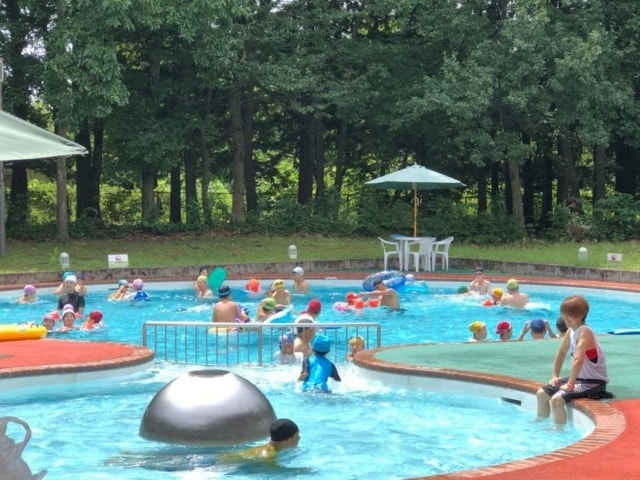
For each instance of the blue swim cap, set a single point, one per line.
(321, 344)
(224, 291)
(538, 325)
(287, 338)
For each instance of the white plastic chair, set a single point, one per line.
(390, 248)
(422, 256)
(441, 249)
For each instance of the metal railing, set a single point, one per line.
(207, 343)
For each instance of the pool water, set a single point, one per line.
(431, 312)
(364, 429)
(91, 431)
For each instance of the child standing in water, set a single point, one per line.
(317, 369)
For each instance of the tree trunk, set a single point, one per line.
(567, 170)
(205, 179)
(206, 164)
(544, 151)
(341, 149)
(62, 221)
(175, 204)
(147, 185)
(627, 168)
(249, 168)
(238, 137)
(62, 224)
(190, 182)
(88, 172)
(307, 160)
(318, 128)
(528, 178)
(516, 193)
(482, 190)
(599, 179)
(18, 195)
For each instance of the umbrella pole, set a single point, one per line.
(2, 215)
(415, 210)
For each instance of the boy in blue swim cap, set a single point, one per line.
(317, 369)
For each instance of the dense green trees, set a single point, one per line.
(532, 103)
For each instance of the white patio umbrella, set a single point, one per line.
(21, 140)
(415, 177)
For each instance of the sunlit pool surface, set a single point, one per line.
(364, 429)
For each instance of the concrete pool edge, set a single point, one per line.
(53, 361)
(609, 422)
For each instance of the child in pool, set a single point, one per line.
(29, 295)
(68, 318)
(122, 292)
(48, 322)
(140, 294)
(317, 369)
(286, 353)
(281, 294)
(356, 344)
(93, 321)
(202, 288)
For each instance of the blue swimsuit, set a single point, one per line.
(320, 369)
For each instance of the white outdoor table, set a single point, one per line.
(405, 248)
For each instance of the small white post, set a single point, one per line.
(582, 253)
(64, 260)
(293, 252)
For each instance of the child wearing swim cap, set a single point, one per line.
(286, 355)
(317, 369)
(281, 294)
(29, 295)
(266, 308)
(356, 344)
(479, 331)
(202, 288)
(93, 321)
(68, 316)
(283, 434)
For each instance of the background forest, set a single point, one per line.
(269, 116)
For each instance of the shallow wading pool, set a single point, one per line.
(364, 429)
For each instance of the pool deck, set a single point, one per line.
(608, 452)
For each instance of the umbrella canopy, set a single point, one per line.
(20, 140)
(415, 177)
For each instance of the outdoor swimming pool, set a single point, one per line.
(365, 429)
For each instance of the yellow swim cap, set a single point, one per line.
(497, 292)
(278, 284)
(476, 326)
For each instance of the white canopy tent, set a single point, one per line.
(21, 140)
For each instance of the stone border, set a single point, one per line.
(11, 281)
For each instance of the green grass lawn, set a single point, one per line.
(223, 248)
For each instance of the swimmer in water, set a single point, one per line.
(29, 295)
(317, 369)
(202, 288)
(286, 353)
(479, 331)
(356, 344)
(122, 292)
(283, 433)
(388, 296)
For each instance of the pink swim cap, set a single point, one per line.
(29, 289)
